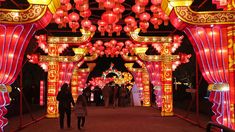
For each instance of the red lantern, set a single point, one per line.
(127, 29)
(86, 13)
(74, 26)
(118, 29)
(156, 2)
(144, 26)
(137, 9)
(109, 4)
(144, 16)
(74, 17)
(80, 2)
(109, 17)
(92, 28)
(154, 21)
(129, 19)
(142, 2)
(102, 30)
(154, 8)
(86, 23)
(83, 7)
(102, 23)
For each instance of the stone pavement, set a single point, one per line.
(129, 119)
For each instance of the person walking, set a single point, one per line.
(65, 99)
(115, 95)
(80, 110)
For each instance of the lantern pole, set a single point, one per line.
(21, 101)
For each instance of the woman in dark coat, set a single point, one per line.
(65, 99)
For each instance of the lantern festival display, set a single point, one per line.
(164, 45)
(212, 38)
(16, 30)
(57, 65)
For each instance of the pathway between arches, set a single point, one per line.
(129, 119)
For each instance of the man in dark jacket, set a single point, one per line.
(65, 99)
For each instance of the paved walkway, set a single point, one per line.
(130, 119)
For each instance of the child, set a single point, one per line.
(80, 110)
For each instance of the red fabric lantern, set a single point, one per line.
(118, 29)
(156, 2)
(74, 26)
(142, 2)
(82, 7)
(74, 17)
(86, 13)
(102, 30)
(92, 28)
(86, 23)
(80, 2)
(144, 26)
(144, 16)
(154, 21)
(129, 19)
(137, 9)
(109, 17)
(109, 4)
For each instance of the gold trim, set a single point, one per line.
(52, 4)
(148, 39)
(129, 58)
(91, 58)
(29, 15)
(86, 35)
(45, 58)
(80, 51)
(129, 66)
(187, 15)
(219, 87)
(168, 5)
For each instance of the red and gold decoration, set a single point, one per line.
(57, 65)
(42, 92)
(16, 30)
(142, 81)
(166, 46)
(62, 17)
(78, 80)
(212, 37)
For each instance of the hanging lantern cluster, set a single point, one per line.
(157, 18)
(111, 48)
(110, 17)
(131, 24)
(62, 17)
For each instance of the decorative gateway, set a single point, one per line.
(16, 29)
(212, 36)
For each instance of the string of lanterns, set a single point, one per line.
(109, 19)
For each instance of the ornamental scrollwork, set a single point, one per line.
(31, 14)
(204, 18)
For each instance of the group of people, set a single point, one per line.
(111, 93)
(119, 96)
(65, 100)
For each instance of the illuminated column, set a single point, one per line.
(79, 78)
(166, 60)
(213, 42)
(52, 82)
(144, 82)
